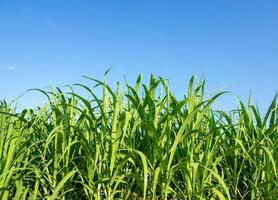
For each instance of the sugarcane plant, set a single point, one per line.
(137, 142)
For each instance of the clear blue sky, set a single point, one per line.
(234, 44)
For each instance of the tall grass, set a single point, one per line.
(140, 142)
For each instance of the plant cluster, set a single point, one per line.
(140, 142)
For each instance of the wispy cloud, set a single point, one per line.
(31, 11)
(8, 68)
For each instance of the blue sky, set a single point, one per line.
(234, 44)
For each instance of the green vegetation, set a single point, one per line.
(137, 142)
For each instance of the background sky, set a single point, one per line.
(234, 44)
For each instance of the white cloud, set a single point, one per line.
(8, 68)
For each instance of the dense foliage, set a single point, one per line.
(140, 142)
